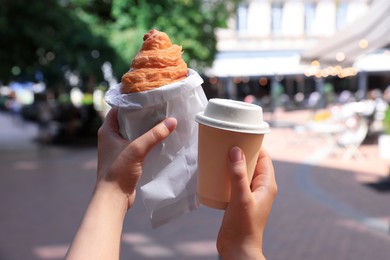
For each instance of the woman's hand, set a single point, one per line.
(241, 232)
(120, 162)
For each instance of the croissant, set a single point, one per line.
(158, 63)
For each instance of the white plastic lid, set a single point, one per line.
(233, 115)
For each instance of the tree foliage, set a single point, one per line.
(51, 37)
(44, 38)
(190, 23)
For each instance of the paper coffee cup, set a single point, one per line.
(224, 124)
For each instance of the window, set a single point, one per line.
(242, 18)
(341, 14)
(310, 12)
(276, 18)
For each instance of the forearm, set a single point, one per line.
(239, 254)
(249, 248)
(99, 235)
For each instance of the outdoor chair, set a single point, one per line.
(351, 139)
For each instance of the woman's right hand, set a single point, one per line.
(244, 221)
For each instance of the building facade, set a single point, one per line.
(263, 45)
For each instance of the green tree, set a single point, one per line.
(45, 37)
(189, 23)
(53, 37)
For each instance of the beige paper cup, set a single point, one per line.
(223, 125)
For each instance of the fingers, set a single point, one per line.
(264, 176)
(240, 188)
(266, 161)
(263, 182)
(124, 166)
(130, 160)
(110, 120)
(110, 127)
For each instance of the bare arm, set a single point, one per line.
(119, 169)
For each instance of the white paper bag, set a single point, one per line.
(168, 182)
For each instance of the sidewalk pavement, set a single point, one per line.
(16, 134)
(287, 143)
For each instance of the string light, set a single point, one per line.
(340, 56)
(263, 81)
(363, 43)
(315, 63)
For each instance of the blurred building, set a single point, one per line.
(303, 45)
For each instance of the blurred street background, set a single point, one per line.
(320, 69)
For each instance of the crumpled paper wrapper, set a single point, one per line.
(168, 181)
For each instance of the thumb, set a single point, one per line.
(240, 188)
(135, 153)
(140, 147)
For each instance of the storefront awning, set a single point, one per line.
(241, 64)
(367, 34)
(378, 61)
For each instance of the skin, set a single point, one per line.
(120, 164)
(243, 224)
(119, 168)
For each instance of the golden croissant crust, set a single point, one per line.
(158, 63)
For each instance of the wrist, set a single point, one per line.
(111, 197)
(243, 256)
(100, 231)
(238, 253)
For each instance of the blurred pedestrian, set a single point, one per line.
(14, 107)
(44, 117)
(120, 166)
(386, 94)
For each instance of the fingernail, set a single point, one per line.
(170, 123)
(235, 154)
